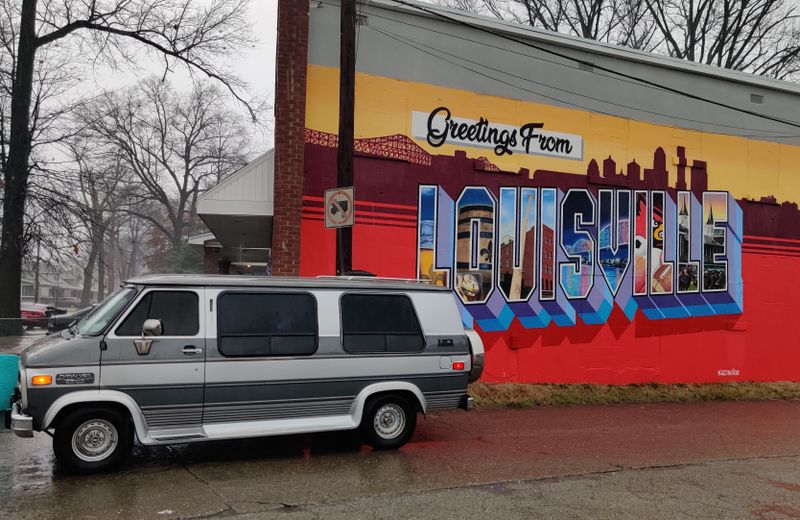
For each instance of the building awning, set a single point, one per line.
(204, 240)
(239, 210)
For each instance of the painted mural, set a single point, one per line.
(577, 260)
(583, 248)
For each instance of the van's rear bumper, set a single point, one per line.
(19, 423)
(467, 403)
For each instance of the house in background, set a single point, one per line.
(61, 289)
(238, 212)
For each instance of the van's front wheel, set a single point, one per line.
(91, 440)
(388, 422)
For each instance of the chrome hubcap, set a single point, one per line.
(94, 440)
(389, 422)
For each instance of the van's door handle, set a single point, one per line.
(191, 350)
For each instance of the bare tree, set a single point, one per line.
(100, 178)
(131, 234)
(623, 22)
(493, 7)
(758, 36)
(182, 32)
(174, 145)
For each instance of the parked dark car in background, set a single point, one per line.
(62, 321)
(68, 302)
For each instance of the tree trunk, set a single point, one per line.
(88, 271)
(36, 286)
(112, 261)
(131, 269)
(16, 173)
(101, 271)
(88, 281)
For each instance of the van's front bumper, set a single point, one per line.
(20, 424)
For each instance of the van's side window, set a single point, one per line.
(380, 323)
(178, 311)
(267, 324)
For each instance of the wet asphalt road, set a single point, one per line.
(704, 460)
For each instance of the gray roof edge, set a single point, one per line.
(235, 175)
(286, 282)
(592, 46)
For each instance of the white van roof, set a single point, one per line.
(323, 282)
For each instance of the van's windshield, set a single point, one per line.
(99, 318)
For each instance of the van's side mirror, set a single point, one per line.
(152, 328)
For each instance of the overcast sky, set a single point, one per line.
(256, 66)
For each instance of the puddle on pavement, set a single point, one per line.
(261, 471)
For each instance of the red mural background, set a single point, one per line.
(758, 345)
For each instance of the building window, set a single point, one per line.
(266, 324)
(178, 311)
(383, 323)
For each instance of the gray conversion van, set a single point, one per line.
(173, 359)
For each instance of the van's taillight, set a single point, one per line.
(458, 365)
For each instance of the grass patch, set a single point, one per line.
(518, 395)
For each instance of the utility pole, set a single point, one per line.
(36, 286)
(345, 154)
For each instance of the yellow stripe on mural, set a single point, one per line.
(744, 167)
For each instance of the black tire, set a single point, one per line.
(399, 417)
(106, 427)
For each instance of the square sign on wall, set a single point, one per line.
(340, 207)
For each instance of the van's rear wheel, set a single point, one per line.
(388, 422)
(91, 440)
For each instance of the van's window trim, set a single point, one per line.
(261, 291)
(143, 294)
(404, 294)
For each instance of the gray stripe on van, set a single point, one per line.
(163, 395)
(276, 410)
(173, 417)
(331, 347)
(321, 388)
(444, 400)
(243, 370)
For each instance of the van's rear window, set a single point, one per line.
(266, 324)
(380, 323)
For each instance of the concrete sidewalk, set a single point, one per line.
(707, 460)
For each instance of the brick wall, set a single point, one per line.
(211, 258)
(290, 109)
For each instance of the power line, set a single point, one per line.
(591, 65)
(770, 135)
(500, 48)
(432, 52)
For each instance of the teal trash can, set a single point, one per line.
(9, 364)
